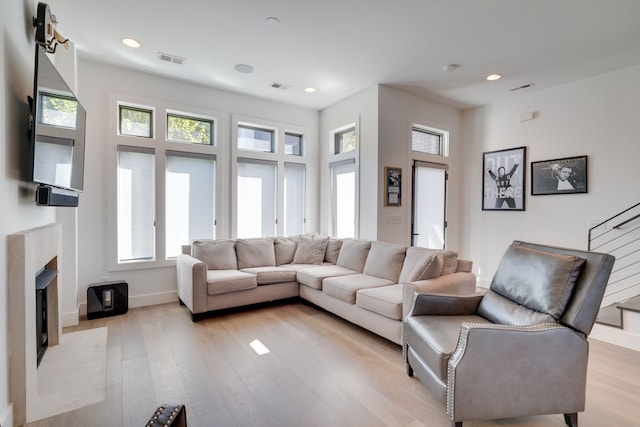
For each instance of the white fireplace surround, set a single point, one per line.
(28, 252)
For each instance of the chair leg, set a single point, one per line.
(409, 370)
(571, 419)
(456, 423)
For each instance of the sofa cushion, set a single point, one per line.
(345, 287)
(384, 260)
(333, 250)
(536, 280)
(353, 254)
(449, 262)
(270, 275)
(310, 250)
(258, 252)
(222, 281)
(385, 300)
(285, 248)
(217, 254)
(314, 276)
(420, 264)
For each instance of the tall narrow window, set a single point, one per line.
(343, 198)
(190, 199)
(256, 139)
(256, 198)
(345, 141)
(294, 198)
(136, 202)
(427, 141)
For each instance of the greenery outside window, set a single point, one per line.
(345, 141)
(135, 121)
(189, 129)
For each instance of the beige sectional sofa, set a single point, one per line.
(369, 283)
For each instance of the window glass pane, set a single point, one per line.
(426, 142)
(294, 198)
(343, 195)
(135, 121)
(345, 141)
(256, 209)
(136, 201)
(250, 138)
(293, 144)
(58, 110)
(190, 200)
(187, 129)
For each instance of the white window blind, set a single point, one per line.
(190, 199)
(426, 141)
(294, 198)
(343, 198)
(256, 198)
(136, 202)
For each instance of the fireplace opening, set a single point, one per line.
(43, 279)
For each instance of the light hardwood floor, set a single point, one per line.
(321, 371)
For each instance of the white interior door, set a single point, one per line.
(429, 225)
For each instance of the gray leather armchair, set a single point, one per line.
(519, 349)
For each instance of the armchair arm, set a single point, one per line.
(192, 283)
(501, 371)
(444, 304)
(460, 283)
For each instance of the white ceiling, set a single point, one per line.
(341, 47)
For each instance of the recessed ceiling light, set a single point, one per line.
(450, 67)
(310, 89)
(492, 77)
(244, 68)
(272, 21)
(131, 42)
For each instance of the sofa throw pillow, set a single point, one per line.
(539, 280)
(414, 255)
(427, 268)
(353, 254)
(285, 249)
(449, 262)
(384, 260)
(258, 252)
(217, 254)
(333, 250)
(310, 250)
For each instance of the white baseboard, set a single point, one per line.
(6, 418)
(615, 336)
(141, 300)
(71, 318)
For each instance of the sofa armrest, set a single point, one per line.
(547, 363)
(192, 283)
(461, 283)
(424, 304)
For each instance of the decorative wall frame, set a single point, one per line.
(559, 176)
(503, 179)
(393, 186)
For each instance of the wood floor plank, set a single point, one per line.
(320, 371)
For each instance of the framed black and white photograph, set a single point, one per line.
(393, 186)
(559, 176)
(503, 179)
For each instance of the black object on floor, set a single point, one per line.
(169, 415)
(107, 299)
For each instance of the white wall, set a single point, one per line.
(97, 83)
(398, 112)
(597, 117)
(19, 211)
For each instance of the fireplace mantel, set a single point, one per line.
(28, 252)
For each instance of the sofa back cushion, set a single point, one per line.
(310, 250)
(531, 279)
(420, 264)
(285, 248)
(384, 260)
(259, 252)
(217, 254)
(353, 254)
(333, 250)
(449, 262)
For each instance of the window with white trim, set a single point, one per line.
(190, 199)
(256, 198)
(343, 198)
(429, 140)
(135, 121)
(256, 138)
(194, 130)
(136, 202)
(292, 144)
(345, 140)
(294, 198)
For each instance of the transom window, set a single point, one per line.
(293, 144)
(183, 128)
(428, 141)
(345, 141)
(256, 139)
(134, 121)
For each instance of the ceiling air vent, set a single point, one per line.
(280, 86)
(171, 58)
(528, 85)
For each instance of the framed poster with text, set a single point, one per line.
(503, 179)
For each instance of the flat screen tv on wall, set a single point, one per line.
(57, 130)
